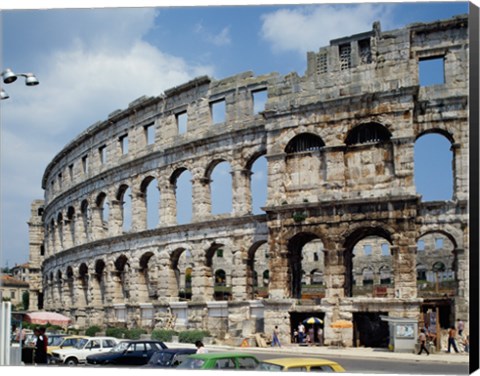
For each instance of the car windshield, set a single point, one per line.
(55, 341)
(268, 367)
(81, 344)
(120, 347)
(161, 358)
(191, 363)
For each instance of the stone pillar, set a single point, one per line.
(59, 228)
(80, 230)
(202, 277)
(168, 204)
(239, 280)
(69, 289)
(67, 234)
(139, 211)
(336, 283)
(202, 205)
(115, 222)
(97, 229)
(81, 291)
(276, 194)
(242, 194)
(280, 278)
(167, 280)
(137, 285)
(405, 275)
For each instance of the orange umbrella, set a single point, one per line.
(341, 324)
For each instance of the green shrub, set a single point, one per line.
(164, 335)
(135, 333)
(191, 336)
(116, 332)
(92, 331)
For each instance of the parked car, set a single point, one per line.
(230, 360)
(128, 353)
(169, 358)
(83, 348)
(300, 365)
(62, 343)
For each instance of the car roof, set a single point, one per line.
(298, 362)
(178, 350)
(222, 355)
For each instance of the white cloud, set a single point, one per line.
(306, 28)
(105, 66)
(220, 39)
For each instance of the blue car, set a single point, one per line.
(128, 353)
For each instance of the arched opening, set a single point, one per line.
(100, 278)
(148, 273)
(83, 277)
(258, 184)
(257, 264)
(124, 197)
(367, 133)
(304, 142)
(221, 187)
(71, 223)
(305, 253)
(182, 266)
(104, 209)
(151, 194)
(435, 266)
(122, 271)
(372, 266)
(86, 217)
(304, 161)
(434, 166)
(182, 182)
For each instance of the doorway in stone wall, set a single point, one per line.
(369, 330)
(297, 317)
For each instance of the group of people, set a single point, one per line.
(301, 335)
(425, 336)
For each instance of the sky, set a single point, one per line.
(91, 62)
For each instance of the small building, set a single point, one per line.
(12, 289)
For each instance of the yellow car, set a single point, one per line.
(62, 343)
(300, 365)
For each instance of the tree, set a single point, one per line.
(26, 300)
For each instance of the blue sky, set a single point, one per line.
(91, 62)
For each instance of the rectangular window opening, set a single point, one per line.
(102, 151)
(431, 71)
(322, 63)
(182, 122)
(365, 51)
(85, 164)
(70, 172)
(421, 245)
(149, 134)
(218, 111)
(60, 180)
(385, 249)
(438, 243)
(345, 52)
(124, 144)
(367, 249)
(259, 100)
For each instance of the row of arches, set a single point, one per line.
(155, 202)
(183, 272)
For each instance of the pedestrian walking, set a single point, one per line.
(320, 336)
(301, 333)
(460, 327)
(275, 339)
(200, 347)
(451, 339)
(423, 340)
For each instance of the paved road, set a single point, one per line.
(395, 366)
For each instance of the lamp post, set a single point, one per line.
(8, 77)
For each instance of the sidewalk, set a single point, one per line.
(350, 352)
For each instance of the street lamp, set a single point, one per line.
(8, 77)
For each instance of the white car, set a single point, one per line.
(83, 348)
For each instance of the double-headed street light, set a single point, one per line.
(8, 77)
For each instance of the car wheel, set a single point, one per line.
(71, 362)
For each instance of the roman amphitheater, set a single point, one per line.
(343, 234)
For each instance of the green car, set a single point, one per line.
(238, 361)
